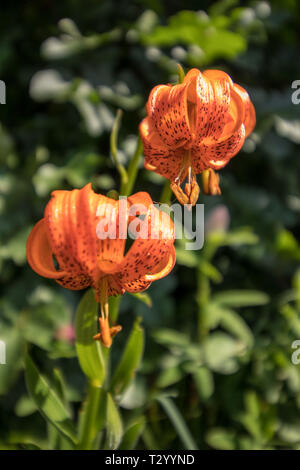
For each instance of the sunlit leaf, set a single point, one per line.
(222, 439)
(130, 360)
(241, 298)
(88, 350)
(178, 422)
(114, 426)
(47, 401)
(132, 434)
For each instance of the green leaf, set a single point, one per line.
(114, 427)
(235, 324)
(47, 401)
(221, 352)
(169, 376)
(189, 27)
(210, 271)
(143, 297)
(186, 258)
(13, 346)
(132, 434)
(287, 245)
(204, 382)
(222, 439)
(130, 361)
(89, 351)
(25, 406)
(241, 298)
(178, 422)
(241, 236)
(169, 337)
(92, 417)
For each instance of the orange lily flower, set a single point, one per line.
(195, 127)
(69, 232)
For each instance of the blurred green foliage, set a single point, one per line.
(217, 369)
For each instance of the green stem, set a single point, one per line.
(178, 423)
(114, 303)
(90, 423)
(89, 418)
(181, 73)
(203, 294)
(114, 152)
(133, 167)
(166, 193)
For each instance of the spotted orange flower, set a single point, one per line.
(81, 240)
(195, 127)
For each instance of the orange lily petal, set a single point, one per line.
(167, 162)
(250, 119)
(200, 95)
(74, 282)
(145, 255)
(39, 252)
(164, 268)
(217, 155)
(210, 93)
(112, 216)
(141, 198)
(250, 115)
(167, 110)
(219, 106)
(58, 221)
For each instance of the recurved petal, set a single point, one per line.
(111, 233)
(167, 109)
(146, 254)
(219, 106)
(74, 281)
(200, 97)
(39, 252)
(164, 268)
(217, 155)
(58, 217)
(142, 198)
(208, 102)
(236, 114)
(137, 285)
(250, 119)
(165, 161)
(249, 114)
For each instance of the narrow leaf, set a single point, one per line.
(47, 401)
(143, 297)
(241, 298)
(178, 423)
(132, 434)
(235, 324)
(130, 360)
(114, 427)
(88, 350)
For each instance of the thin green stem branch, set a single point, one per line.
(133, 167)
(90, 425)
(202, 297)
(114, 152)
(166, 193)
(89, 418)
(178, 423)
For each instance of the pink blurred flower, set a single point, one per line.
(65, 333)
(218, 220)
